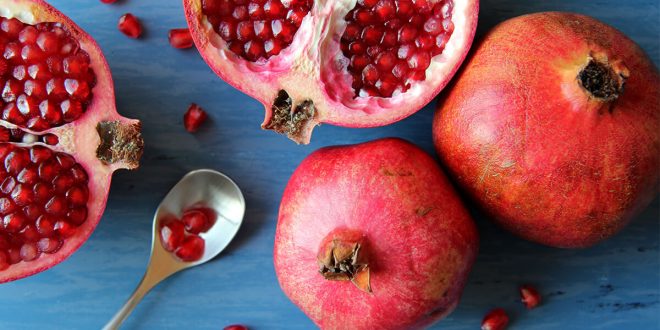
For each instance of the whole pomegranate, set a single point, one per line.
(373, 236)
(60, 137)
(355, 64)
(553, 128)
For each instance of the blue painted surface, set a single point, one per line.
(615, 285)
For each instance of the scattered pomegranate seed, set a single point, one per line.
(194, 118)
(180, 38)
(108, 1)
(130, 26)
(530, 296)
(496, 319)
(235, 327)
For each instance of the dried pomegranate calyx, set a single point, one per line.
(120, 143)
(289, 118)
(342, 260)
(602, 80)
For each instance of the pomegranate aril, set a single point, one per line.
(77, 216)
(22, 195)
(29, 252)
(56, 205)
(530, 296)
(172, 234)
(46, 225)
(130, 26)
(195, 221)
(71, 110)
(191, 249)
(64, 229)
(12, 27)
(4, 260)
(496, 319)
(108, 1)
(14, 222)
(39, 71)
(49, 245)
(48, 42)
(264, 27)
(193, 118)
(6, 205)
(30, 234)
(180, 38)
(28, 35)
(409, 29)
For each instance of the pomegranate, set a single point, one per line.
(356, 64)
(373, 236)
(61, 137)
(553, 128)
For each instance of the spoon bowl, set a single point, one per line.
(209, 189)
(205, 188)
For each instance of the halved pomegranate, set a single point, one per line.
(61, 137)
(355, 64)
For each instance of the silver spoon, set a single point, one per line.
(210, 188)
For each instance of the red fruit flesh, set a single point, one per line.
(194, 118)
(351, 64)
(546, 139)
(130, 26)
(180, 38)
(530, 296)
(60, 138)
(497, 319)
(391, 238)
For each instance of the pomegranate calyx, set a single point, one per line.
(294, 120)
(120, 143)
(342, 261)
(602, 80)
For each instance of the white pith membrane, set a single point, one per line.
(315, 55)
(75, 138)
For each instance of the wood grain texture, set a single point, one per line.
(611, 286)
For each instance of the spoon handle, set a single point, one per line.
(149, 280)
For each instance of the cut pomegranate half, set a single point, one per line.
(61, 137)
(362, 64)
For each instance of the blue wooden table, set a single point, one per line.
(615, 285)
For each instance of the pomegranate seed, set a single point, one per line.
(108, 1)
(496, 319)
(45, 225)
(49, 245)
(263, 27)
(172, 234)
(195, 221)
(130, 26)
(29, 252)
(235, 327)
(77, 216)
(56, 205)
(530, 296)
(193, 118)
(29, 234)
(14, 222)
(180, 38)
(191, 249)
(64, 229)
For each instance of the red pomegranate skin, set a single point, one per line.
(419, 239)
(548, 161)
